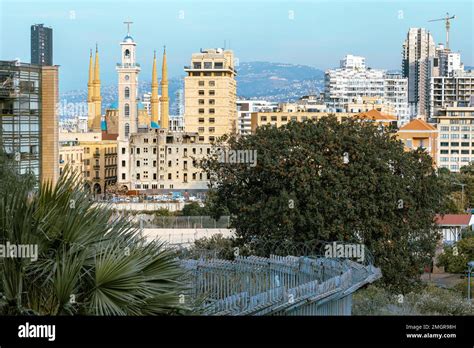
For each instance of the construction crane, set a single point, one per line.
(448, 25)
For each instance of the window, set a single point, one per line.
(201, 92)
(212, 101)
(127, 53)
(212, 120)
(197, 65)
(218, 65)
(212, 111)
(212, 83)
(127, 110)
(127, 93)
(212, 129)
(207, 65)
(212, 92)
(444, 144)
(455, 144)
(138, 163)
(127, 130)
(201, 138)
(201, 129)
(201, 101)
(211, 139)
(123, 150)
(201, 83)
(263, 118)
(169, 176)
(445, 136)
(123, 163)
(201, 120)
(138, 176)
(138, 150)
(284, 118)
(123, 176)
(454, 136)
(201, 111)
(445, 152)
(273, 118)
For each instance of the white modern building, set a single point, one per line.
(353, 80)
(245, 109)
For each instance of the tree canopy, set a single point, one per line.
(348, 181)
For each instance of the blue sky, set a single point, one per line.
(312, 32)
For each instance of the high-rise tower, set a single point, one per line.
(210, 93)
(418, 53)
(41, 45)
(164, 122)
(128, 71)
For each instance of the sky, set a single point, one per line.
(311, 32)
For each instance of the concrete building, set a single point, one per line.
(420, 134)
(41, 45)
(99, 158)
(163, 160)
(71, 155)
(28, 117)
(245, 109)
(353, 80)
(210, 92)
(456, 136)
(418, 53)
(445, 91)
(287, 114)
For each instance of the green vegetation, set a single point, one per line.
(88, 263)
(302, 190)
(428, 300)
(455, 257)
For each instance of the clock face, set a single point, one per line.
(127, 77)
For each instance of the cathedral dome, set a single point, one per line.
(128, 38)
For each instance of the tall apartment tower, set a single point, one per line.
(210, 92)
(128, 70)
(418, 52)
(29, 118)
(41, 45)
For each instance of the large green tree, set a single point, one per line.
(326, 180)
(87, 262)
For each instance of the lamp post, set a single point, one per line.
(470, 266)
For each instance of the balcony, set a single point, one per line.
(96, 155)
(96, 167)
(128, 65)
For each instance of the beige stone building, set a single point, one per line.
(99, 158)
(287, 114)
(71, 155)
(210, 91)
(456, 136)
(160, 159)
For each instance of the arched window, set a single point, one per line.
(127, 130)
(127, 53)
(127, 110)
(127, 92)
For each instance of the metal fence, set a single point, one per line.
(277, 285)
(187, 222)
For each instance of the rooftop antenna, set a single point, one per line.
(448, 25)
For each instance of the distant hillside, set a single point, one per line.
(277, 81)
(265, 80)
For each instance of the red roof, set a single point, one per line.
(453, 219)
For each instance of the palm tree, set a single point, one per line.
(89, 262)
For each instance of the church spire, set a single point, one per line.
(164, 93)
(154, 93)
(97, 97)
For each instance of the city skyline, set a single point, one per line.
(185, 27)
